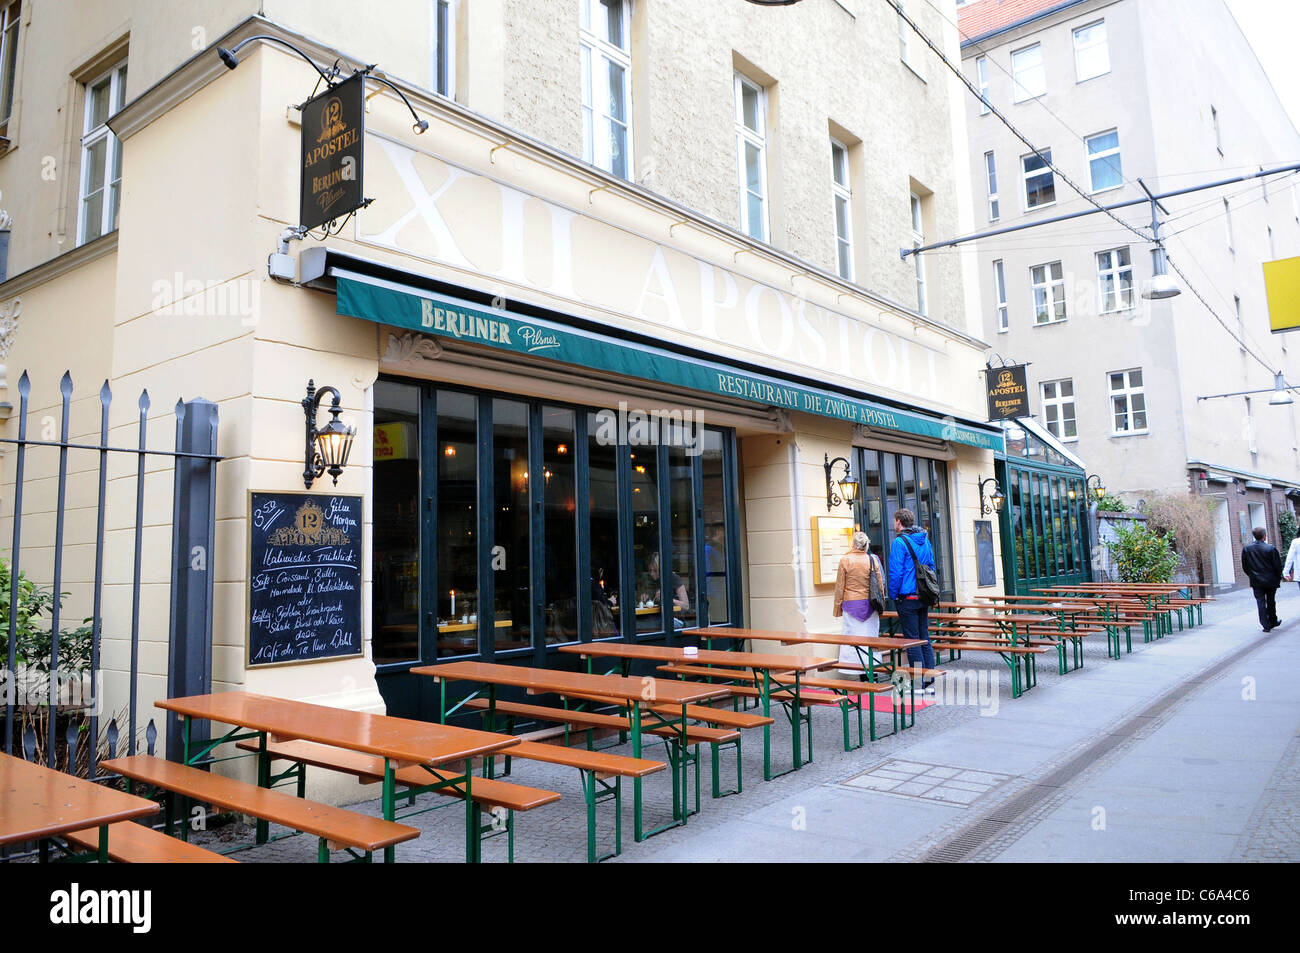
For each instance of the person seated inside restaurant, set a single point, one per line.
(653, 591)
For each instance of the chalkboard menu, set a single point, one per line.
(304, 577)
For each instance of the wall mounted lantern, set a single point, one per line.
(327, 449)
(848, 487)
(1098, 488)
(995, 499)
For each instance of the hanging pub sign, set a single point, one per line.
(1008, 395)
(333, 134)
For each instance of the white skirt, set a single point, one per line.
(851, 626)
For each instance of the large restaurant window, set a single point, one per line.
(891, 481)
(504, 526)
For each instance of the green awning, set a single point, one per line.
(405, 307)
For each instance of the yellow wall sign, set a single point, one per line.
(832, 538)
(394, 441)
(1282, 285)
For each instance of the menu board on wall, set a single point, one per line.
(832, 538)
(304, 577)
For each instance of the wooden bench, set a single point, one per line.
(493, 797)
(1012, 655)
(847, 695)
(131, 843)
(335, 828)
(716, 738)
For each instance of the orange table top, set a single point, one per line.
(546, 681)
(664, 653)
(403, 740)
(802, 638)
(36, 802)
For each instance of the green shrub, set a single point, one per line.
(1112, 504)
(1142, 555)
(1287, 528)
(32, 627)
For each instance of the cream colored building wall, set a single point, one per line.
(61, 46)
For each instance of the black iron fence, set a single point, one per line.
(53, 680)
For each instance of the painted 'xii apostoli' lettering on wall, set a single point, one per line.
(434, 210)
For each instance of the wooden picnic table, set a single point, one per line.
(37, 803)
(776, 671)
(401, 742)
(630, 692)
(1011, 625)
(1151, 594)
(892, 645)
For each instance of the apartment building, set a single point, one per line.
(1112, 92)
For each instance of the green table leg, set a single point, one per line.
(390, 803)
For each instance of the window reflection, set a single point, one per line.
(602, 511)
(457, 462)
(560, 525)
(396, 540)
(682, 521)
(645, 538)
(715, 528)
(511, 539)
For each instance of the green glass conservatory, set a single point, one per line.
(1044, 520)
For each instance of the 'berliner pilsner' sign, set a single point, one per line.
(1008, 395)
(333, 132)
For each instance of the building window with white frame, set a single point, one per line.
(982, 75)
(606, 53)
(1058, 409)
(1000, 289)
(918, 239)
(9, 17)
(1128, 401)
(444, 48)
(751, 156)
(101, 157)
(1104, 165)
(1091, 52)
(1115, 279)
(990, 167)
(842, 201)
(1028, 73)
(902, 33)
(1227, 221)
(1040, 181)
(1218, 138)
(1048, 282)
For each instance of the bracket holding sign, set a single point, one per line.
(333, 141)
(1008, 394)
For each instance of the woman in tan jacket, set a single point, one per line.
(858, 581)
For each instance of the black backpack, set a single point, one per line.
(927, 580)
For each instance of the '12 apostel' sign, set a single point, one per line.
(1007, 392)
(333, 131)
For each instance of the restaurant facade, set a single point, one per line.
(584, 408)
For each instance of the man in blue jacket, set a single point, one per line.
(912, 613)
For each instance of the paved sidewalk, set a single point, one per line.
(1184, 750)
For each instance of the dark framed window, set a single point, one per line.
(506, 526)
(892, 481)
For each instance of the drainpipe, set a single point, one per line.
(802, 535)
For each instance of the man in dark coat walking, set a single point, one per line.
(1262, 563)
